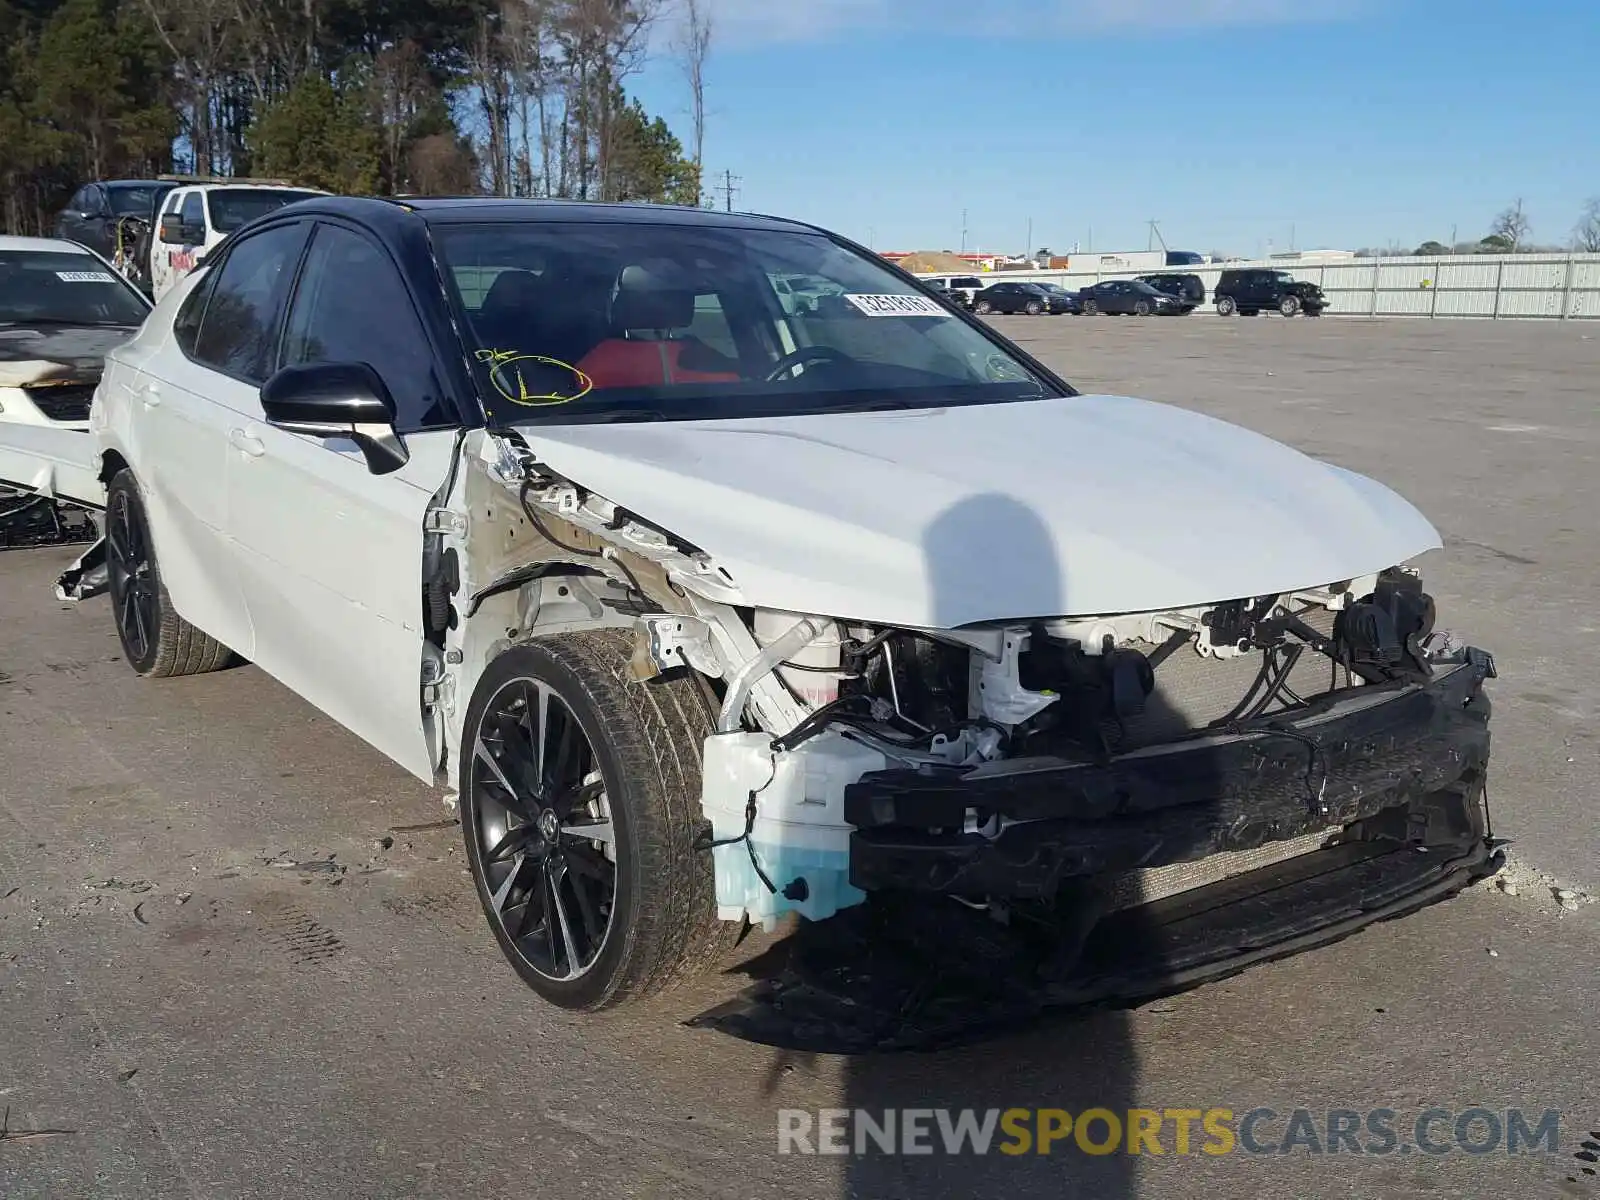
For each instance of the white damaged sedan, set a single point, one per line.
(705, 610)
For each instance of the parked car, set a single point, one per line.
(1011, 298)
(1061, 299)
(711, 612)
(966, 286)
(957, 298)
(1190, 289)
(62, 308)
(195, 218)
(96, 211)
(1249, 291)
(1128, 297)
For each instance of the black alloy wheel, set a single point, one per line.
(156, 641)
(131, 577)
(543, 829)
(580, 809)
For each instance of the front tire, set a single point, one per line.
(1142, 309)
(580, 807)
(156, 641)
(983, 308)
(1034, 308)
(1289, 305)
(1090, 308)
(1226, 307)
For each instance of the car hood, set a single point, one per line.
(948, 516)
(29, 355)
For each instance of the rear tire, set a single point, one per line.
(1226, 307)
(637, 760)
(156, 641)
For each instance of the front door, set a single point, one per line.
(331, 555)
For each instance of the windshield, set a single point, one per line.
(135, 201)
(608, 321)
(234, 207)
(62, 288)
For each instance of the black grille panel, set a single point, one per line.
(64, 401)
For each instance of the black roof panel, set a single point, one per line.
(445, 210)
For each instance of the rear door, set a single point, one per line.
(331, 555)
(225, 337)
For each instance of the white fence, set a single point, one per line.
(1470, 285)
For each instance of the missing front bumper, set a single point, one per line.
(1359, 754)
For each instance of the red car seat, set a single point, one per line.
(642, 351)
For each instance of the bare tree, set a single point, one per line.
(1512, 226)
(201, 39)
(1586, 233)
(693, 46)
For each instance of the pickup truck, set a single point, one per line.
(196, 217)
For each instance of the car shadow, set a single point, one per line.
(939, 1006)
(1075, 1061)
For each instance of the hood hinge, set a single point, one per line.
(445, 520)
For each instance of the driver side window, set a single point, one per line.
(193, 215)
(352, 305)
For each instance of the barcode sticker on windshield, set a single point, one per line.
(898, 306)
(85, 277)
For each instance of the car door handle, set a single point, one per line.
(149, 395)
(245, 444)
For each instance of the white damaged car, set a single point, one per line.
(706, 608)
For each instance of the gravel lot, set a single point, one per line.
(217, 980)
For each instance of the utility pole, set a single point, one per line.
(963, 231)
(730, 186)
(1028, 246)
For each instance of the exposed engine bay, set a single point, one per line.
(849, 757)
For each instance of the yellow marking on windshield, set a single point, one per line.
(505, 372)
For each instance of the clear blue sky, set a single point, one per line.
(1356, 122)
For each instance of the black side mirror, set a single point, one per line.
(172, 232)
(337, 400)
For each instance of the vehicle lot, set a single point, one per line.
(194, 888)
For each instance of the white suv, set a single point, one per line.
(195, 218)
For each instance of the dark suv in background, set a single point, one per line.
(1247, 292)
(90, 217)
(1188, 288)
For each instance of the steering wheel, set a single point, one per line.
(806, 354)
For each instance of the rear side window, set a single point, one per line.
(352, 306)
(186, 325)
(238, 334)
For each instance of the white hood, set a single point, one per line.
(942, 517)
